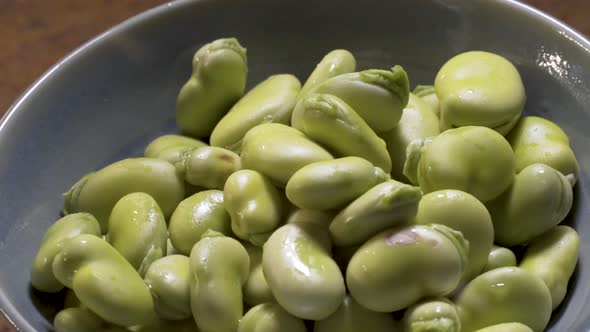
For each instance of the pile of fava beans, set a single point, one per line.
(347, 204)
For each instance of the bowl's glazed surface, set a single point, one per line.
(110, 97)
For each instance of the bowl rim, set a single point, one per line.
(6, 307)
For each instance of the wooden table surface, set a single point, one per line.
(37, 33)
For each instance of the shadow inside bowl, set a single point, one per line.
(48, 304)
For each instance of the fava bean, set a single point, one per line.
(537, 140)
(163, 143)
(302, 276)
(464, 213)
(270, 317)
(417, 122)
(256, 290)
(539, 199)
(170, 250)
(218, 80)
(479, 88)
(499, 257)
(42, 277)
(169, 281)
(172, 148)
(98, 192)
(210, 166)
(137, 229)
(505, 295)
(219, 266)
(82, 320)
(377, 96)
(272, 100)
(506, 327)
(314, 220)
(438, 314)
(335, 63)
(328, 120)
(194, 216)
(103, 280)
(422, 261)
(476, 160)
(552, 257)
(278, 151)
(352, 317)
(428, 95)
(385, 205)
(332, 184)
(254, 205)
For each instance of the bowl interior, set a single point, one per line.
(112, 96)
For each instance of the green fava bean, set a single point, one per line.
(103, 280)
(194, 216)
(417, 122)
(506, 327)
(377, 96)
(332, 184)
(437, 314)
(172, 148)
(479, 89)
(270, 317)
(385, 205)
(331, 122)
(428, 95)
(163, 143)
(278, 151)
(476, 160)
(538, 140)
(176, 156)
(162, 325)
(210, 166)
(505, 295)
(316, 221)
(137, 229)
(82, 320)
(220, 267)
(298, 267)
(352, 317)
(539, 199)
(218, 80)
(335, 63)
(170, 250)
(270, 101)
(169, 281)
(552, 257)
(464, 213)
(422, 261)
(98, 192)
(256, 290)
(499, 257)
(254, 205)
(42, 277)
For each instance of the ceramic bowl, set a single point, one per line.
(114, 94)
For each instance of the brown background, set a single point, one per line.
(34, 34)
